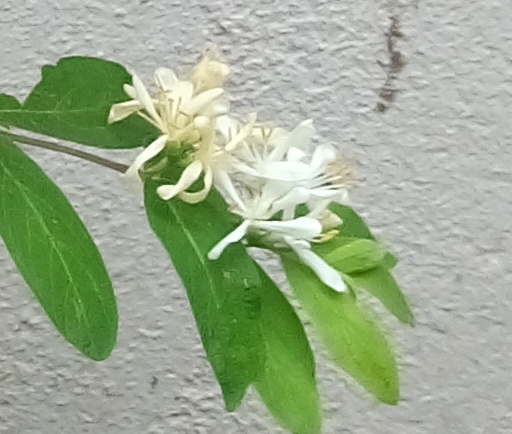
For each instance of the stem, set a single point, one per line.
(65, 150)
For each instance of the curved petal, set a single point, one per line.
(123, 110)
(198, 102)
(216, 108)
(188, 177)
(293, 198)
(232, 237)
(300, 137)
(132, 174)
(144, 98)
(328, 275)
(322, 156)
(200, 195)
(165, 78)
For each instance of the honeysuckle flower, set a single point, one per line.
(277, 171)
(206, 156)
(174, 107)
(212, 157)
(265, 143)
(296, 233)
(288, 159)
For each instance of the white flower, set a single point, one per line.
(175, 107)
(209, 158)
(278, 171)
(295, 233)
(287, 158)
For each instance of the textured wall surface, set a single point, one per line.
(424, 109)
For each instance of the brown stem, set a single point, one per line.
(65, 150)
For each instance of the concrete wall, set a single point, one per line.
(432, 140)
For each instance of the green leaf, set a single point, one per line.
(72, 102)
(354, 226)
(56, 255)
(356, 256)
(224, 294)
(287, 383)
(353, 340)
(7, 102)
(381, 284)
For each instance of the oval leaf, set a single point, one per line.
(353, 340)
(224, 294)
(56, 255)
(287, 383)
(381, 284)
(72, 102)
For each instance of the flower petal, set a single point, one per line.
(130, 91)
(200, 195)
(242, 133)
(132, 174)
(300, 137)
(291, 199)
(188, 177)
(322, 156)
(123, 110)
(282, 170)
(330, 220)
(165, 78)
(295, 155)
(228, 126)
(328, 275)
(144, 98)
(225, 185)
(232, 237)
(198, 102)
(301, 228)
(318, 208)
(181, 92)
(209, 72)
(216, 108)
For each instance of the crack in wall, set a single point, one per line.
(393, 67)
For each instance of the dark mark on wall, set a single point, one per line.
(28, 324)
(154, 382)
(393, 66)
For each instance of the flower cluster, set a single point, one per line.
(275, 180)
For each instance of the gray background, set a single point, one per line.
(435, 180)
